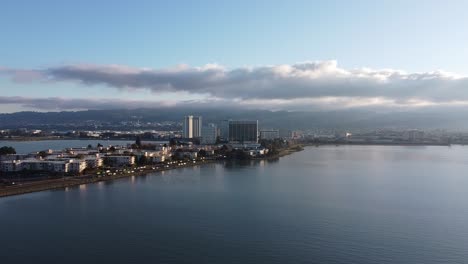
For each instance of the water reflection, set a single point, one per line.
(100, 185)
(323, 205)
(234, 164)
(108, 183)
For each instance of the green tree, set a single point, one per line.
(7, 150)
(138, 141)
(202, 153)
(43, 154)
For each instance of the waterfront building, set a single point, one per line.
(209, 134)
(61, 166)
(10, 165)
(192, 126)
(269, 134)
(76, 166)
(186, 153)
(243, 131)
(41, 165)
(154, 156)
(157, 159)
(94, 161)
(57, 166)
(117, 161)
(164, 150)
(9, 157)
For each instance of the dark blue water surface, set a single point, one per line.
(347, 204)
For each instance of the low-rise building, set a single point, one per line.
(13, 157)
(57, 166)
(94, 161)
(190, 154)
(157, 159)
(119, 160)
(10, 165)
(269, 134)
(76, 166)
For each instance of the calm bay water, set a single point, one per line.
(346, 204)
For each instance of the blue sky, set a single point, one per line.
(413, 36)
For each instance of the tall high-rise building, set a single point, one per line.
(224, 130)
(197, 126)
(192, 126)
(245, 131)
(209, 134)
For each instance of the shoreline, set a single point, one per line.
(72, 181)
(287, 151)
(61, 183)
(311, 144)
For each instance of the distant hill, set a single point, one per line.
(344, 119)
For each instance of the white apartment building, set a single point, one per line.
(10, 165)
(117, 161)
(93, 161)
(76, 166)
(35, 165)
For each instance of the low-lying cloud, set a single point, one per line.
(59, 103)
(304, 104)
(300, 85)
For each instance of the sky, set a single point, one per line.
(276, 55)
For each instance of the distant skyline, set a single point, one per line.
(281, 55)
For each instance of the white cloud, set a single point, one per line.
(306, 85)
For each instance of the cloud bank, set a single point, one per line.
(306, 104)
(300, 86)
